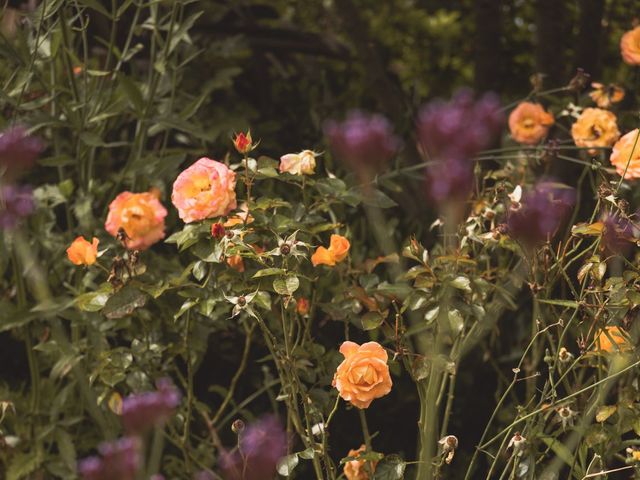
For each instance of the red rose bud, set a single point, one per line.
(242, 142)
(217, 231)
(302, 306)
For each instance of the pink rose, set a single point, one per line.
(204, 190)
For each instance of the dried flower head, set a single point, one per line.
(448, 444)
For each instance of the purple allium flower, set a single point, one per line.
(262, 444)
(451, 134)
(118, 460)
(364, 141)
(16, 202)
(142, 411)
(540, 213)
(619, 233)
(18, 150)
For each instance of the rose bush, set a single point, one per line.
(263, 313)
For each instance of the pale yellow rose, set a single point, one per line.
(303, 163)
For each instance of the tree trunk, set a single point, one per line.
(551, 41)
(488, 48)
(588, 51)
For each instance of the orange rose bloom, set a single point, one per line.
(364, 374)
(529, 123)
(359, 469)
(595, 128)
(141, 215)
(630, 47)
(605, 95)
(337, 251)
(620, 341)
(626, 155)
(81, 252)
(236, 262)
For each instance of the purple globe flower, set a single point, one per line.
(364, 141)
(262, 444)
(16, 203)
(118, 460)
(539, 215)
(142, 411)
(18, 151)
(451, 134)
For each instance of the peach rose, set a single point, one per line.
(243, 217)
(359, 469)
(81, 252)
(337, 251)
(236, 262)
(626, 155)
(303, 163)
(529, 123)
(204, 190)
(141, 215)
(595, 128)
(630, 46)
(364, 373)
(605, 95)
(620, 341)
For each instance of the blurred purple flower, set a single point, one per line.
(142, 411)
(364, 141)
(18, 150)
(16, 202)
(262, 444)
(451, 134)
(619, 233)
(541, 212)
(118, 460)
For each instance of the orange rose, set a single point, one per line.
(236, 262)
(364, 373)
(630, 47)
(81, 252)
(529, 123)
(626, 155)
(141, 215)
(337, 251)
(620, 341)
(359, 469)
(241, 218)
(595, 128)
(605, 95)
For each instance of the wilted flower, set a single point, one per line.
(605, 95)
(451, 134)
(625, 156)
(142, 411)
(365, 141)
(16, 203)
(18, 151)
(541, 212)
(529, 123)
(337, 251)
(566, 416)
(619, 233)
(81, 252)
(449, 445)
(630, 46)
(260, 447)
(612, 339)
(517, 442)
(236, 262)
(359, 469)
(118, 460)
(204, 190)
(140, 215)
(364, 374)
(595, 128)
(564, 355)
(243, 142)
(303, 163)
